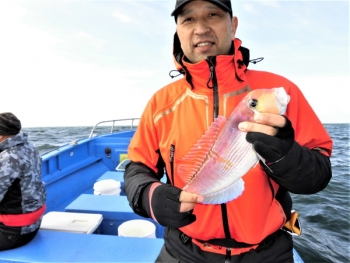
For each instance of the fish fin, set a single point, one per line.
(194, 158)
(231, 192)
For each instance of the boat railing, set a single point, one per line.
(113, 123)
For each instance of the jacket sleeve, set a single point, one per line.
(308, 173)
(146, 164)
(137, 177)
(307, 168)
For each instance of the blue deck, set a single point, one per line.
(52, 246)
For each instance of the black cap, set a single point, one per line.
(9, 124)
(223, 4)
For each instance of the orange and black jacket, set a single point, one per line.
(179, 114)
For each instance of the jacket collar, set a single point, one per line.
(228, 68)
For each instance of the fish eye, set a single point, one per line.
(253, 103)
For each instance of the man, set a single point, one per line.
(22, 193)
(295, 148)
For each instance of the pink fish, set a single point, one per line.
(215, 165)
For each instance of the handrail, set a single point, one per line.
(113, 125)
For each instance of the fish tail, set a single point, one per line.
(231, 192)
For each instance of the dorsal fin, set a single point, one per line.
(195, 157)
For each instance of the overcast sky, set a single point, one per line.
(75, 63)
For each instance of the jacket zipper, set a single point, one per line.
(214, 84)
(213, 80)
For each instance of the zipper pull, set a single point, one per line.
(211, 76)
(172, 150)
(172, 153)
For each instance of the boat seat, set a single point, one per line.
(115, 210)
(83, 223)
(54, 246)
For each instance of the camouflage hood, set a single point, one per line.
(19, 138)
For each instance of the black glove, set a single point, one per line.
(273, 148)
(166, 206)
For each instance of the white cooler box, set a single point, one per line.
(71, 222)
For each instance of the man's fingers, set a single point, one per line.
(189, 200)
(273, 120)
(256, 127)
(265, 123)
(185, 207)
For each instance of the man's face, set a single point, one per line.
(205, 29)
(4, 137)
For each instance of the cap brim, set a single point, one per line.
(177, 8)
(218, 3)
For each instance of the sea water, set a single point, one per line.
(324, 216)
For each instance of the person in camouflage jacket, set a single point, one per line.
(22, 192)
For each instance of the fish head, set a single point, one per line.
(273, 101)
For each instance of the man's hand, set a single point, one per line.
(272, 136)
(265, 123)
(170, 206)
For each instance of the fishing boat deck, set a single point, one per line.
(53, 246)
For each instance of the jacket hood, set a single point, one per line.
(13, 141)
